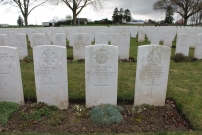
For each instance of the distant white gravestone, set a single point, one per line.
(101, 74)
(79, 43)
(141, 34)
(20, 41)
(152, 70)
(101, 38)
(182, 45)
(198, 49)
(50, 68)
(4, 40)
(10, 76)
(38, 39)
(59, 39)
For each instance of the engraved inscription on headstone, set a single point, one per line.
(101, 74)
(152, 75)
(50, 67)
(10, 76)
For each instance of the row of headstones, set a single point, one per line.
(101, 75)
(185, 40)
(122, 40)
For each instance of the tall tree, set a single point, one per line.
(127, 15)
(78, 5)
(20, 21)
(115, 17)
(185, 8)
(24, 6)
(121, 15)
(169, 15)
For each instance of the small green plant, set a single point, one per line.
(38, 112)
(106, 114)
(6, 110)
(81, 112)
(74, 60)
(28, 59)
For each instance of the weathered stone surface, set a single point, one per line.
(101, 74)
(50, 68)
(19, 40)
(101, 38)
(182, 45)
(59, 39)
(198, 48)
(79, 45)
(4, 40)
(10, 76)
(38, 39)
(152, 74)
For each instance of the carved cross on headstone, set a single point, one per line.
(50, 84)
(101, 85)
(152, 86)
(3, 83)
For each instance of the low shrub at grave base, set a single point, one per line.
(180, 57)
(6, 110)
(106, 114)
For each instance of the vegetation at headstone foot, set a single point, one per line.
(180, 57)
(6, 110)
(38, 112)
(106, 114)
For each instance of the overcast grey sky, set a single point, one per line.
(140, 9)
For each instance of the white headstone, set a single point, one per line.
(122, 40)
(50, 68)
(152, 74)
(155, 38)
(59, 39)
(198, 48)
(141, 34)
(4, 40)
(101, 38)
(79, 45)
(10, 76)
(101, 74)
(19, 40)
(38, 39)
(168, 38)
(182, 45)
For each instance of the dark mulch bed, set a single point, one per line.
(142, 119)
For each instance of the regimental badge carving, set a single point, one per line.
(154, 57)
(49, 57)
(101, 56)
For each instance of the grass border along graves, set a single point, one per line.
(184, 84)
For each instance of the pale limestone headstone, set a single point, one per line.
(79, 41)
(19, 40)
(50, 68)
(198, 48)
(101, 74)
(122, 40)
(182, 45)
(4, 40)
(192, 39)
(59, 39)
(38, 39)
(141, 34)
(101, 38)
(155, 37)
(168, 38)
(152, 70)
(10, 76)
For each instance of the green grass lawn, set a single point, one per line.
(184, 84)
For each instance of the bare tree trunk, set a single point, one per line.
(26, 20)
